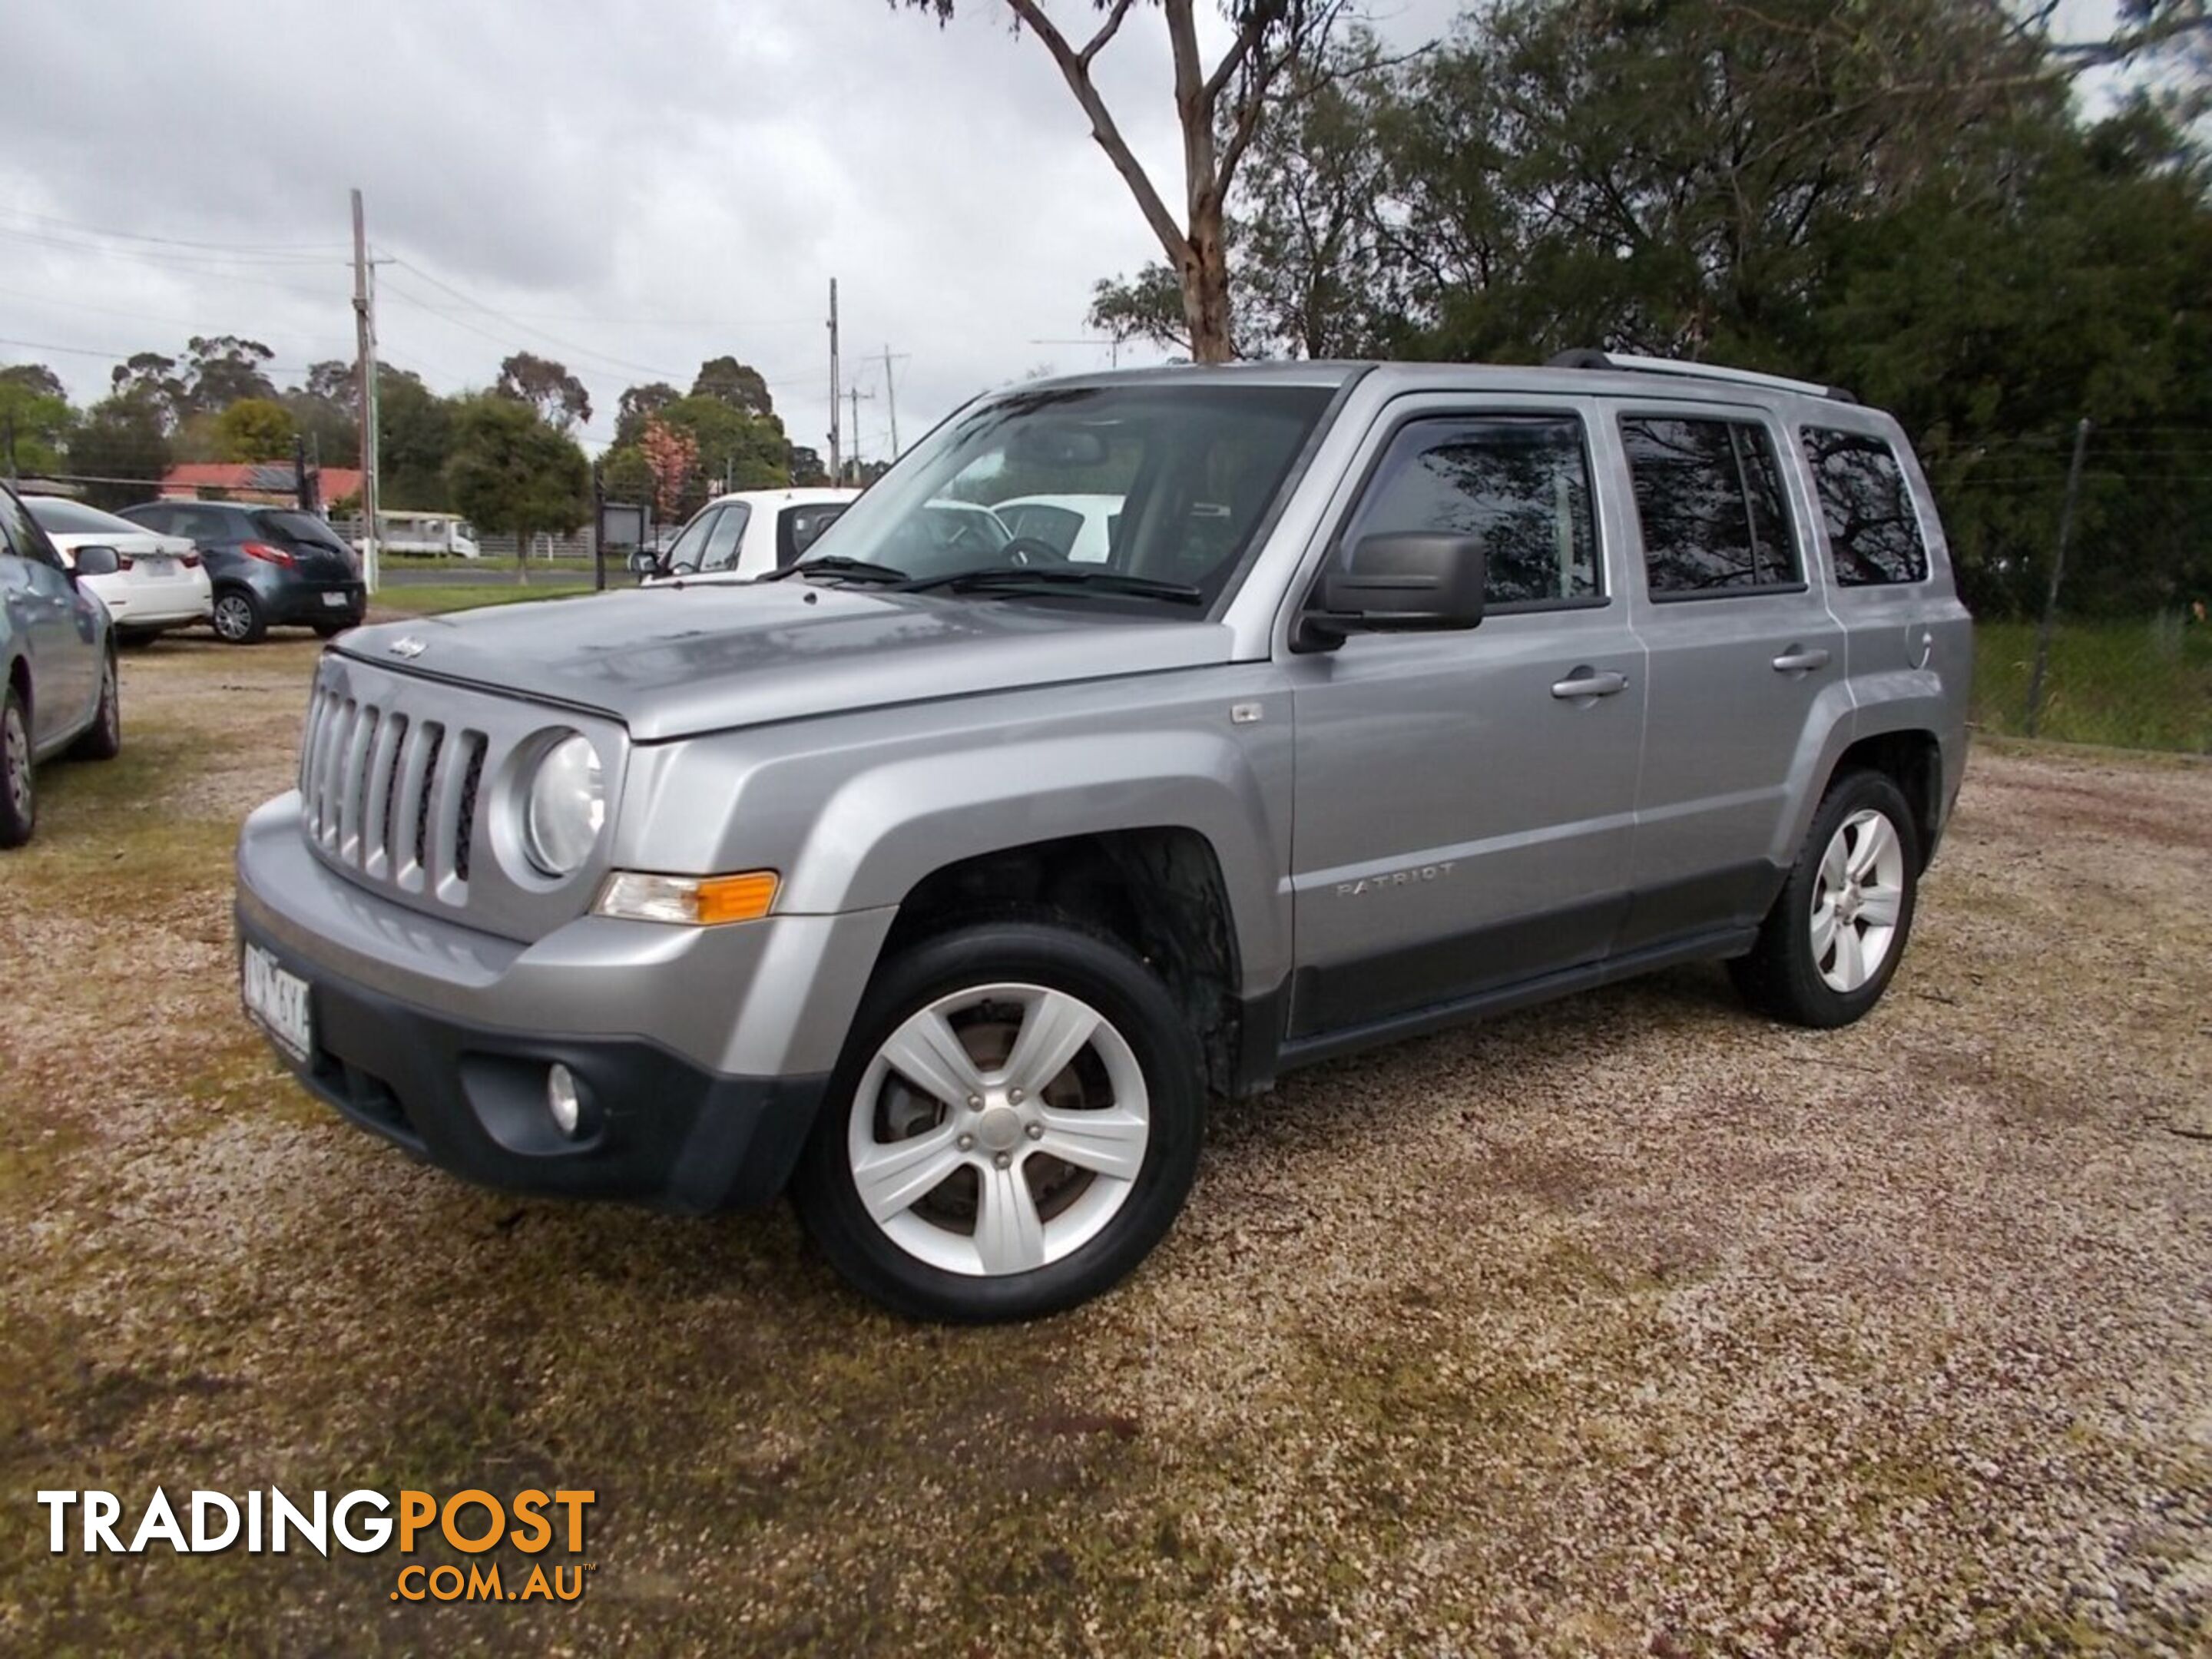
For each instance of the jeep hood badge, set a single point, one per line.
(411, 648)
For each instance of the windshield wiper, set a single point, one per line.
(1019, 576)
(835, 564)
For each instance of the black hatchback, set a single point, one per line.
(270, 566)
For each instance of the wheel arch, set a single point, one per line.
(1158, 889)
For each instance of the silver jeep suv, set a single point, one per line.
(940, 878)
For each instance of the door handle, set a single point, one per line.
(1605, 683)
(1797, 660)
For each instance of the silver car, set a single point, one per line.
(58, 681)
(941, 883)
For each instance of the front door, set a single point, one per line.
(45, 608)
(1465, 801)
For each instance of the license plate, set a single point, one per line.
(337, 601)
(278, 1001)
(162, 568)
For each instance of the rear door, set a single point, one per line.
(1464, 801)
(1746, 662)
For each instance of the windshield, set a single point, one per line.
(1192, 469)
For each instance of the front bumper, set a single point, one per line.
(655, 1128)
(702, 1053)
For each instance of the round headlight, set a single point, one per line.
(566, 806)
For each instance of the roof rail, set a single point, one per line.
(1584, 357)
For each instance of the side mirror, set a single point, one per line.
(643, 561)
(97, 560)
(1420, 581)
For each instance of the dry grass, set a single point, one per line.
(1628, 1325)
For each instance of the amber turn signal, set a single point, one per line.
(687, 901)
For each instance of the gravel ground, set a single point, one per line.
(1627, 1324)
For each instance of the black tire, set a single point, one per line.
(1060, 956)
(239, 619)
(1782, 976)
(103, 739)
(19, 794)
(331, 630)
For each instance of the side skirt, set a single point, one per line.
(1730, 941)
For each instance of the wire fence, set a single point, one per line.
(2123, 633)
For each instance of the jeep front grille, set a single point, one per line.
(391, 796)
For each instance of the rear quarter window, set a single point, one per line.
(1874, 534)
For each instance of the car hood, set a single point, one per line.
(670, 663)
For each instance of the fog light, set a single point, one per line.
(561, 1095)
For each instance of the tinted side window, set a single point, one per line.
(156, 519)
(1874, 535)
(1708, 500)
(1520, 484)
(203, 525)
(798, 528)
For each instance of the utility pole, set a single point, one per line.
(891, 400)
(854, 394)
(364, 316)
(2057, 571)
(837, 453)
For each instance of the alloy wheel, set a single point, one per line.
(234, 618)
(17, 743)
(1858, 894)
(999, 1129)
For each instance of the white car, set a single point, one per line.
(750, 533)
(161, 583)
(1079, 528)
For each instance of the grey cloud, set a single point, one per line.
(651, 186)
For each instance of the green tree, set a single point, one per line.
(548, 387)
(626, 476)
(121, 450)
(738, 384)
(806, 467)
(323, 407)
(152, 382)
(35, 418)
(638, 405)
(750, 451)
(222, 370)
(415, 440)
(512, 471)
(254, 429)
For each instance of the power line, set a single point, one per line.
(554, 339)
(175, 241)
(125, 356)
(172, 268)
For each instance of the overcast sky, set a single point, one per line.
(628, 191)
